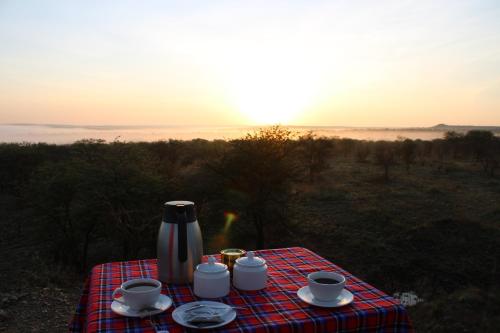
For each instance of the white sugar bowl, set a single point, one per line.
(250, 272)
(211, 280)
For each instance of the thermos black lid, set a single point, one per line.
(174, 211)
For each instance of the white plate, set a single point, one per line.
(178, 313)
(344, 298)
(163, 303)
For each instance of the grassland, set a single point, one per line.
(432, 230)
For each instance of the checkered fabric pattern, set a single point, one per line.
(274, 309)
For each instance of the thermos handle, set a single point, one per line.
(182, 235)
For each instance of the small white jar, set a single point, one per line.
(211, 280)
(250, 272)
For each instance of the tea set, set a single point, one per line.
(180, 252)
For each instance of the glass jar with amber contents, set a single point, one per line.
(229, 256)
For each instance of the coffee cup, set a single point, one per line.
(139, 293)
(326, 286)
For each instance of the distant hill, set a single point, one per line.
(464, 128)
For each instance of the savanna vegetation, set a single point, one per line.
(409, 215)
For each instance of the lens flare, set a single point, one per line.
(220, 240)
(229, 220)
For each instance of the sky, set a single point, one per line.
(339, 63)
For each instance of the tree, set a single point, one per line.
(345, 146)
(479, 142)
(385, 156)
(314, 153)
(133, 195)
(258, 171)
(485, 148)
(64, 212)
(165, 156)
(408, 150)
(362, 151)
(454, 142)
(99, 192)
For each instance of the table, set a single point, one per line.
(274, 309)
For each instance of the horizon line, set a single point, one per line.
(93, 126)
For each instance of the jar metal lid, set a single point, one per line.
(233, 252)
(250, 260)
(212, 266)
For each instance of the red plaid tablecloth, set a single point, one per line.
(274, 309)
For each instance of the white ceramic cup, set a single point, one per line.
(326, 291)
(145, 293)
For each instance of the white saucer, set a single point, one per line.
(163, 303)
(344, 298)
(178, 314)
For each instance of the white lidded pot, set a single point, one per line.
(250, 272)
(211, 279)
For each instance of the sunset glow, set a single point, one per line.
(384, 63)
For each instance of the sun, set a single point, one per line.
(270, 98)
(271, 89)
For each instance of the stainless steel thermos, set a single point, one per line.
(180, 245)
